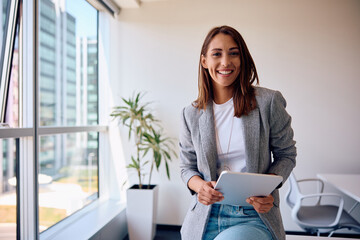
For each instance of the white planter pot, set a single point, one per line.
(141, 212)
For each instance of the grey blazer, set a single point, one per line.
(266, 129)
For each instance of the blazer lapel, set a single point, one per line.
(252, 137)
(207, 134)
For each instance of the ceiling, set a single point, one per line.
(133, 3)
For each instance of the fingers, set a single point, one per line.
(261, 204)
(208, 195)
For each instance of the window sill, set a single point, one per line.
(85, 223)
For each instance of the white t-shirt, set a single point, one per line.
(231, 154)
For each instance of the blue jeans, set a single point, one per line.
(227, 222)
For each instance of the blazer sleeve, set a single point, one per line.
(282, 143)
(188, 157)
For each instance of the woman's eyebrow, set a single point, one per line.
(220, 49)
(216, 49)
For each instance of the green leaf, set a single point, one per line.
(167, 170)
(158, 161)
(167, 155)
(146, 151)
(128, 102)
(131, 166)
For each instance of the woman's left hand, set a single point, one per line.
(261, 204)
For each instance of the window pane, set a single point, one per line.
(12, 106)
(3, 16)
(68, 178)
(8, 209)
(12, 96)
(68, 74)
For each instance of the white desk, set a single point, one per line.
(348, 184)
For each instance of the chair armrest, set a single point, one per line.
(313, 180)
(338, 214)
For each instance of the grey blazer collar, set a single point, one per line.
(251, 125)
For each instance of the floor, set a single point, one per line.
(165, 232)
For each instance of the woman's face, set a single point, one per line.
(222, 60)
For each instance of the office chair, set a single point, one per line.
(314, 216)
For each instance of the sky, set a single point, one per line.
(85, 14)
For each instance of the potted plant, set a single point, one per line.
(148, 138)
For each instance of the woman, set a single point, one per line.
(233, 126)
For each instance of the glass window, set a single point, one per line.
(3, 17)
(68, 44)
(47, 39)
(47, 9)
(8, 207)
(47, 25)
(9, 89)
(47, 54)
(68, 96)
(47, 67)
(12, 105)
(68, 178)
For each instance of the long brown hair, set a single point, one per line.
(244, 92)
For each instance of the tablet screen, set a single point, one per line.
(237, 187)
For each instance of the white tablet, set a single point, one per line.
(237, 187)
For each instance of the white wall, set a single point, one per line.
(309, 50)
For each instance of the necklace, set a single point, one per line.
(224, 165)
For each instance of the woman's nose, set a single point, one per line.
(225, 61)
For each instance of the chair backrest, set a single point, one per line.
(294, 191)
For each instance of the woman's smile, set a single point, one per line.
(225, 72)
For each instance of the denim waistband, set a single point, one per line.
(234, 206)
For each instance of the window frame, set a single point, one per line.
(7, 54)
(29, 132)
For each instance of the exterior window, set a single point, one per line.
(12, 103)
(8, 206)
(9, 86)
(68, 97)
(9, 112)
(68, 178)
(49, 162)
(3, 19)
(68, 64)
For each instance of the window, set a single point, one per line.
(49, 120)
(8, 55)
(65, 57)
(68, 162)
(9, 112)
(68, 178)
(8, 193)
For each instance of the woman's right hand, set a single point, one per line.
(207, 195)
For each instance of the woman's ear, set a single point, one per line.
(203, 61)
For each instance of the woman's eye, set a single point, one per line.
(216, 54)
(234, 54)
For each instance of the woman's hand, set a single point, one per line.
(261, 204)
(208, 195)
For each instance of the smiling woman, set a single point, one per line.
(233, 126)
(235, 52)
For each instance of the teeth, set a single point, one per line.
(225, 72)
